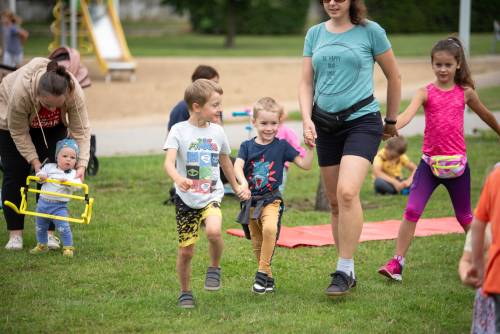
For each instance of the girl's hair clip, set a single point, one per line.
(454, 42)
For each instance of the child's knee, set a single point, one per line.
(214, 234)
(269, 230)
(412, 214)
(64, 229)
(186, 253)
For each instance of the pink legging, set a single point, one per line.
(424, 184)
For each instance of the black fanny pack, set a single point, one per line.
(331, 122)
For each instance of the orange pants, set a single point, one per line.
(263, 232)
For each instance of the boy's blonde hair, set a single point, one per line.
(200, 92)
(267, 104)
(397, 144)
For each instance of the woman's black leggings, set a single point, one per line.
(16, 169)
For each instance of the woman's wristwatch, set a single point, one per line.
(389, 121)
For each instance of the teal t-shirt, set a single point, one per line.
(343, 65)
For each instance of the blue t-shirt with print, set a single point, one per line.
(343, 65)
(264, 164)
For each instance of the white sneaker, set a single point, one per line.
(53, 242)
(15, 243)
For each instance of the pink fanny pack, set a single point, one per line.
(446, 166)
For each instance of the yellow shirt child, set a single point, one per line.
(388, 168)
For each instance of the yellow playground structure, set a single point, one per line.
(23, 206)
(93, 27)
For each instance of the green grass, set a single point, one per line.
(490, 96)
(195, 45)
(123, 280)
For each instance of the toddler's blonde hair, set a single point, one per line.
(267, 104)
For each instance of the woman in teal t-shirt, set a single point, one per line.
(342, 119)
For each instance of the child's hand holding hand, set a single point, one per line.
(474, 277)
(243, 192)
(309, 138)
(183, 183)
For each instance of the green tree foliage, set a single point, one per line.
(251, 16)
(289, 16)
(409, 16)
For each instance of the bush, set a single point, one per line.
(408, 16)
(252, 16)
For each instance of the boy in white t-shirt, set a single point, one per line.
(195, 148)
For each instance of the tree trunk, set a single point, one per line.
(322, 203)
(231, 24)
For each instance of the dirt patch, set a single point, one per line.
(161, 82)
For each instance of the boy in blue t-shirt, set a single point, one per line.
(259, 167)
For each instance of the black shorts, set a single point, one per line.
(360, 137)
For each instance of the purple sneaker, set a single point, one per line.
(393, 270)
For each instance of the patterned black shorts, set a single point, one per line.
(189, 220)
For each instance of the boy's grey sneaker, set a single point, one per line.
(260, 284)
(341, 284)
(270, 286)
(212, 279)
(186, 299)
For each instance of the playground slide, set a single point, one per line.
(106, 34)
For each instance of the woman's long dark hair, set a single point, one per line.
(358, 12)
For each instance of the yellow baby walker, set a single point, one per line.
(23, 207)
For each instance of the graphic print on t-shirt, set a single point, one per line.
(202, 165)
(48, 118)
(261, 175)
(341, 62)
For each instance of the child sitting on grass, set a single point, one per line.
(388, 168)
(195, 149)
(259, 167)
(63, 170)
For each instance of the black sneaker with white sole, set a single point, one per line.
(260, 284)
(341, 284)
(270, 286)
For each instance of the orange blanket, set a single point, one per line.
(321, 235)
